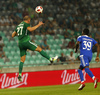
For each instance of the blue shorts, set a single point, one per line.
(85, 60)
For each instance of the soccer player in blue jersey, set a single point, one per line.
(86, 43)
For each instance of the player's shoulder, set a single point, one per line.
(88, 38)
(20, 24)
(79, 37)
(26, 24)
(93, 39)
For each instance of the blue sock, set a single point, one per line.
(81, 75)
(87, 70)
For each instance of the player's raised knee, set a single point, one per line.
(39, 49)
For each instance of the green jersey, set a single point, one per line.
(23, 33)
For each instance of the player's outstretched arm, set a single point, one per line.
(14, 34)
(97, 57)
(77, 46)
(35, 27)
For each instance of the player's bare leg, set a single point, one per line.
(39, 49)
(21, 67)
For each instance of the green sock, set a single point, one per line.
(44, 54)
(20, 68)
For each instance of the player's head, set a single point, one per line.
(85, 31)
(27, 19)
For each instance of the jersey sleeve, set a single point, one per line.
(79, 39)
(16, 29)
(94, 42)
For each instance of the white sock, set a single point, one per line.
(93, 77)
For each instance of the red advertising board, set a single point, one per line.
(43, 78)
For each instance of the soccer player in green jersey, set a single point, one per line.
(22, 31)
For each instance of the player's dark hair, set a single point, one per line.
(86, 31)
(26, 18)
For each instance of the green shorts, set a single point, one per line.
(26, 45)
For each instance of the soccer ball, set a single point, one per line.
(39, 9)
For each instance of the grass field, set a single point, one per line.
(53, 90)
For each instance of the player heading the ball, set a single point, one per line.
(22, 32)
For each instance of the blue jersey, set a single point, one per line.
(86, 44)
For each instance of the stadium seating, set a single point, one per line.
(12, 51)
(54, 41)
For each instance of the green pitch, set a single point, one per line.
(53, 90)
